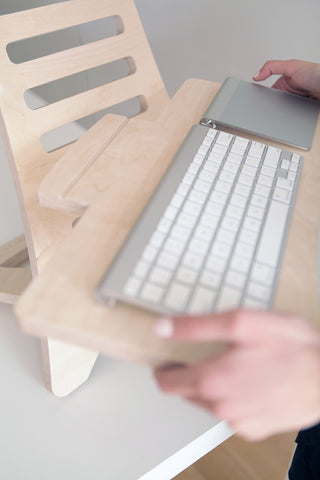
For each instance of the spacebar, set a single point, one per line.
(272, 234)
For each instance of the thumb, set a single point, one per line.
(214, 327)
(238, 326)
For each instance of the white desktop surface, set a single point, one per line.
(118, 426)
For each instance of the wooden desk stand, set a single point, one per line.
(60, 302)
(13, 277)
(22, 128)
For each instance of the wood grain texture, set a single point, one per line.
(21, 127)
(14, 252)
(131, 167)
(237, 459)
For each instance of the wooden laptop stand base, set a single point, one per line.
(113, 187)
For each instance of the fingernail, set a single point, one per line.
(256, 75)
(164, 327)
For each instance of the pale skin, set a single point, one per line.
(267, 379)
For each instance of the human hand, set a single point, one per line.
(299, 77)
(266, 381)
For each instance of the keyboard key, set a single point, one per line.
(246, 179)
(232, 167)
(177, 200)
(221, 249)
(207, 176)
(188, 178)
(229, 298)
(192, 260)
(256, 149)
(204, 233)
(198, 159)
(149, 253)
(212, 133)
(224, 138)
(198, 197)
(272, 233)
(157, 239)
(183, 189)
(177, 296)
(180, 233)
(202, 300)
(293, 167)
(216, 264)
(240, 264)
(141, 269)
(252, 224)
(186, 275)
(193, 168)
(235, 279)
(218, 197)
(264, 180)
(209, 220)
(132, 286)
(239, 200)
(202, 186)
(272, 157)
(262, 274)
(223, 186)
(203, 150)
(235, 212)
(230, 223)
(282, 195)
(168, 261)
(219, 149)
(268, 171)
(207, 141)
(255, 212)
(210, 279)
(198, 246)
(253, 303)
(152, 293)
(164, 225)
(244, 250)
(213, 208)
(170, 213)
(259, 292)
(226, 236)
(248, 236)
(249, 170)
(186, 220)
(192, 208)
(174, 246)
(252, 161)
(160, 276)
(285, 184)
(259, 201)
(215, 157)
(262, 190)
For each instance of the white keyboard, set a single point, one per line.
(212, 237)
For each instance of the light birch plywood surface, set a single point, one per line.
(133, 170)
(238, 459)
(22, 128)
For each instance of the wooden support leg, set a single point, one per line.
(13, 279)
(66, 366)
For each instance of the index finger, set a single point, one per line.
(275, 67)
